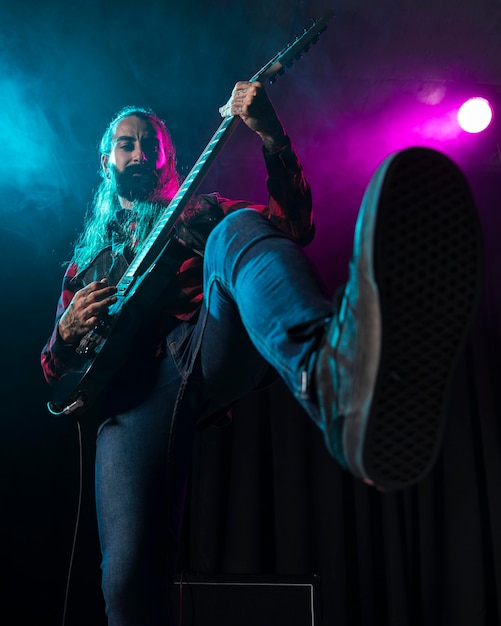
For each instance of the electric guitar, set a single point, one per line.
(104, 348)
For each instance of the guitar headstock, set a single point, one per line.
(292, 52)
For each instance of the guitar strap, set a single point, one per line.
(197, 221)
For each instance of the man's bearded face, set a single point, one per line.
(137, 163)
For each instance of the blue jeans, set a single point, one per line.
(258, 286)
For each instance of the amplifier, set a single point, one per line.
(247, 600)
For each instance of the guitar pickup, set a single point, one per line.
(90, 342)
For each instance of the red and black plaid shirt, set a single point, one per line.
(289, 208)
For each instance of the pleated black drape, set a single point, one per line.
(266, 499)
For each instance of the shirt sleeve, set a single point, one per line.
(56, 354)
(289, 196)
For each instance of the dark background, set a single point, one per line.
(265, 497)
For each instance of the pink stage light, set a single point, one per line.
(475, 115)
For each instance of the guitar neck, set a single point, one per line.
(158, 237)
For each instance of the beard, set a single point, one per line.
(136, 182)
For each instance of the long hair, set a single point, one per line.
(105, 204)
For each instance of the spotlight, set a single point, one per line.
(475, 115)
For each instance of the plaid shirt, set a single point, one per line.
(289, 208)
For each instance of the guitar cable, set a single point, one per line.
(77, 522)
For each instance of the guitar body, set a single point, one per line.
(107, 264)
(105, 349)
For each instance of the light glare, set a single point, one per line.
(475, 115)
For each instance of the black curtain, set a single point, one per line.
(266, 498)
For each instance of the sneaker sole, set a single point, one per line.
(428, 268)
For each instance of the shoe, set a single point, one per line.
(386, 362)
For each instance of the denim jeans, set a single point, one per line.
(258, 287)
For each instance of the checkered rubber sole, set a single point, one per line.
(428, 267)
